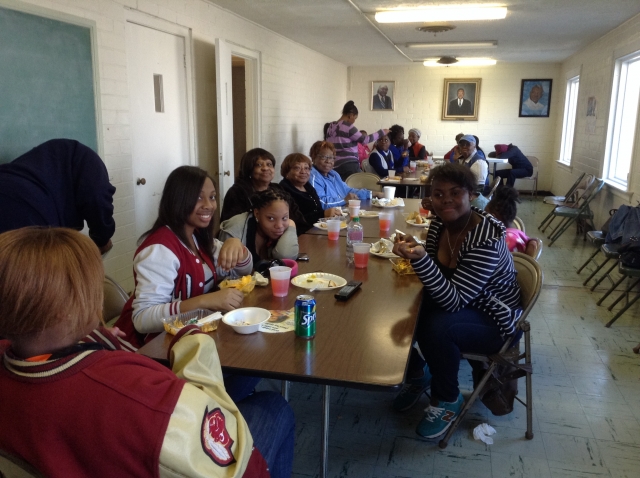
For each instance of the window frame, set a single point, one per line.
(618, 88)
(569, 119)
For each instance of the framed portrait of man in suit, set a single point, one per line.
(461, 99)
(383, 95)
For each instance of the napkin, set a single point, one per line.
(483, 433)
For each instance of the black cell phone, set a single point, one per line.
(303, 256)
(348, 290)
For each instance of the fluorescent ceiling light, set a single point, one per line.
(470, 44)
(462, 62)
(447, 13)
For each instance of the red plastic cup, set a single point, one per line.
(280, 280)
(385, 220)
(361, 255)
(333, 229)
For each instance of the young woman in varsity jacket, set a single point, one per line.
(471, 299)
(74, 404)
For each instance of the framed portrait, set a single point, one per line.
(535, 98)
(383, 95)
(461, 99)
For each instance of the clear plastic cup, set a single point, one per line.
(354, 211)
(392, 173)
(361, 254)
(389, 192)
(385, 220)
(354, 202)
(333, 228)
(412, 166)
(280, 276)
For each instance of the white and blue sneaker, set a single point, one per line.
(437, 419)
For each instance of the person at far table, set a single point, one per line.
(79, 404)
(416, 150)
(455, 150)
(345, 137)
(363, 150)
(468, 155)
(257, 170)
(471, 298)
(399, 149)
(266, 231)
(331, 189)
(381, 159)
(296, 171)
(60, 183)
(521, 167)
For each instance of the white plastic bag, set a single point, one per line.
(483, 432)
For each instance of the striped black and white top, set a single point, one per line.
(485, 277)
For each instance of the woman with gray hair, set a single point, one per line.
(416, 150)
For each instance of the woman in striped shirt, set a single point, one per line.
(346, 137)
(471, 298)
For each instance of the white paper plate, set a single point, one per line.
(412, 179)
(318, 281)
(364, 213)
(386, 255)
(413, 223)
(324, 227)
(399, 203)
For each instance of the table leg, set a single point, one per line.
(285, 390)
(325, 431)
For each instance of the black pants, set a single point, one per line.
(513, 174)
(347, 167)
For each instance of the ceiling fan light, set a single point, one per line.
(442, 14)
(459, 62)
(452, 45)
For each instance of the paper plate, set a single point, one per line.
(398, 202)
(386, 255)
(324, 227)
(319, 281)
(413, 223)
(369, 213)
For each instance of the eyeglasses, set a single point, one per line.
(327, 159)
(297, 169)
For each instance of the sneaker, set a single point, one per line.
(437, 419)
(412, 391)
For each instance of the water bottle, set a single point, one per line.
(355, 233)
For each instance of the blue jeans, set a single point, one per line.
(442, 336)
(272, 425)
(239, 387)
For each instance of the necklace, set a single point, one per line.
(459, 234)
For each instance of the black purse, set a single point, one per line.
(630, 252)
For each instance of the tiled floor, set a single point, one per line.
(586, 396)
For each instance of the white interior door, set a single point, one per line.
(156, 69)
(225, 117)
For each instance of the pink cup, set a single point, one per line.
(280, 280)
(333, 228)
(361, 254)
(385, 220)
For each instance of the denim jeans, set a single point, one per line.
(239, 387)
(513, 174)
(442, 336)
(272, 425)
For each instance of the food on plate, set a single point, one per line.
(332, 284)
(244, 284)
(424, 178)
(324, 225)
(402, 266)
(208, 323)
(383, 246)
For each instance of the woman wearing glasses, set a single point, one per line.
(257, 169)
(346, 137)
(331, 189)
(296, 171)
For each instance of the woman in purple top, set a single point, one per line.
(345, 137)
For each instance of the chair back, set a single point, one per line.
(589, 193)
(580, 190)
(519, 224)
(364, 181)
(366, 167)
(492, 187)
(535, 162)
(539, 249)
(114, 299)
(575, 186)
(529, 279)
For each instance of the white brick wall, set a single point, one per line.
(419, 95)
(301, 91)
(597, 63)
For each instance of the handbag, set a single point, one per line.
(630, 252)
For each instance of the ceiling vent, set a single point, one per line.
(447, 60)
(436, 28)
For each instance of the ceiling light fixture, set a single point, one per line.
(446, 61)
(450, 45)
(442, 14)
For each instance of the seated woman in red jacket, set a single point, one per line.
(78, 405)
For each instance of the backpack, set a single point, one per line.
(630, 252)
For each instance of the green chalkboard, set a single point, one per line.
(46, 83)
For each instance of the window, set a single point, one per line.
(622, 120)
(569, 122)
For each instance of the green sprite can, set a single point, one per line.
(305, 316)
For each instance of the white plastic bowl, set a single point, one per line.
(246, 320)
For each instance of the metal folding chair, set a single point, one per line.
(519, 224)
(581, 210)
(114, 299)
(597, 238)
(530, 280)
(568, 199)
(625, 272)
(364, 181)
(493, 186)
